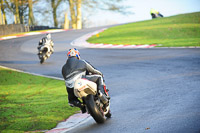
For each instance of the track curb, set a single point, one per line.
(82, 42)
(31, 33)
(70, 123)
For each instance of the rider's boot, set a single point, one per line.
(51, 49)
(77, 103)
(104, 90)
(74, 101)
(102, 94)
(48, 54)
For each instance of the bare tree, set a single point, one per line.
(24, 13)
(72, 13)
(1, 20)
(109, 5)
(79, 15)
(16, 13)
(17, 8)
(76, 14)
(54, 5)
(2, 9)
(22, 10)
(31, 17)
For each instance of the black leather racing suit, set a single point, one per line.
(75, 67)
(43, 41)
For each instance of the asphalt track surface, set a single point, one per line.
(152, 90)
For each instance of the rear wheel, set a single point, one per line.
(94, 110)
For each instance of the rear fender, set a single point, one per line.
(84, 87)
(45, 47)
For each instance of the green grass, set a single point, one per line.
(30, 103)
(175, 31)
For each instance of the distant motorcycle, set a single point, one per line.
(44, 52)
(156, 15)
(96, 104)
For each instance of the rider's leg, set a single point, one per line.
(73, 100)
(38, 49)
(153, 15)
(98, 79)
(51, 49)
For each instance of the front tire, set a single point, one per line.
(41, 60)
(94, 110)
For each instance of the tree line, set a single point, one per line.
(31, 12)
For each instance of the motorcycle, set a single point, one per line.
(97, 105)
(44, 52)
(157, 15)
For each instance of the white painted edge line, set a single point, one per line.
(8, 37)
(53, 31)
(32, 33)
(81, 42)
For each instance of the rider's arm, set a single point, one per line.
(40, 42)
(91, 69)
(52, 44)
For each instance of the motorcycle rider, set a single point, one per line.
(46, 41)
(75, 66)
(154, 13)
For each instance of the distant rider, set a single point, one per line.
(154, 13)
(75, 66)
(46, 41)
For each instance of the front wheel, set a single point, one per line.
(41, 60)
(94, 110)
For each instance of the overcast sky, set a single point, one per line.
(141, 9)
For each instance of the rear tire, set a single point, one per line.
(94, 110)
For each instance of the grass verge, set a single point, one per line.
(30, 103)
(175, 31)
